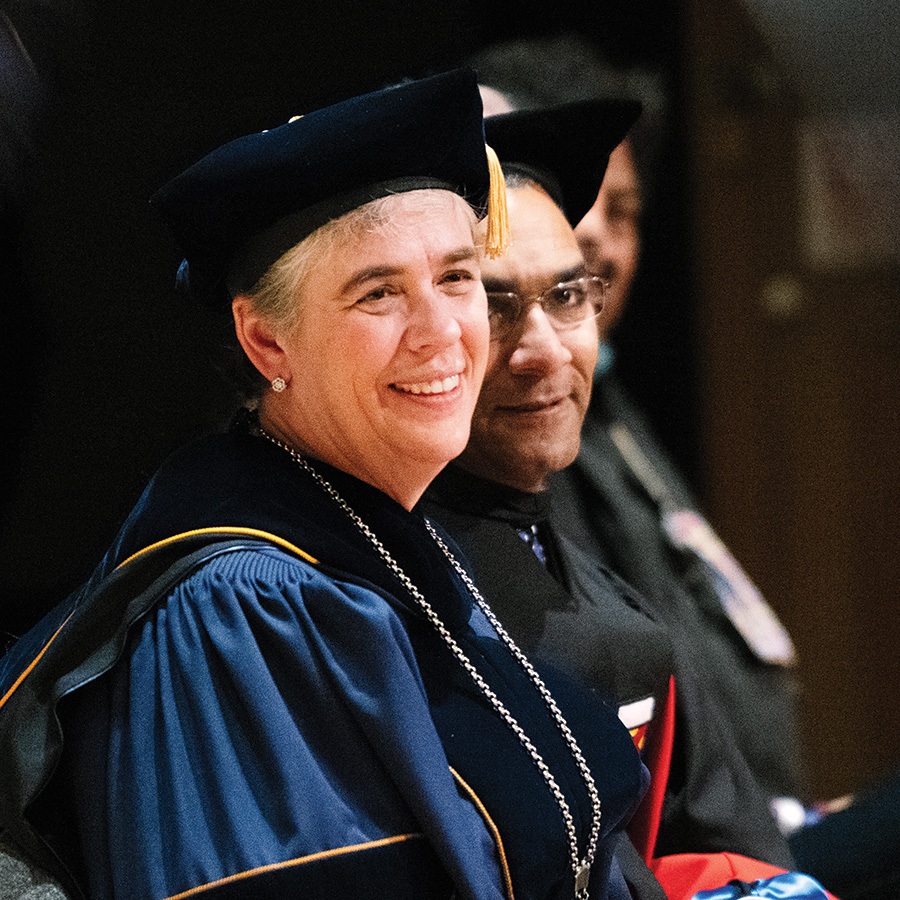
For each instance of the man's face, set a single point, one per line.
(609, 234)
(527, 421)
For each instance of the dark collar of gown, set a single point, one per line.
(459, 490)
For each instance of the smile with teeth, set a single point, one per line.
(438, 386)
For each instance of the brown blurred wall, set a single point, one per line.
(800, 381)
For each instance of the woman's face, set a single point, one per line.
(386, 361)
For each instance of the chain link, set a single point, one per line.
(555, 711)
(580, 866)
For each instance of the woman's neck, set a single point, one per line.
(404, 481)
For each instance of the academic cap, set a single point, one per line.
(563, 148)
(247, 203)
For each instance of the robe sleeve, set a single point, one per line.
(267, 730)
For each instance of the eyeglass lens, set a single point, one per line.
(565, 305)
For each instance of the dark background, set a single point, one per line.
(105, 369)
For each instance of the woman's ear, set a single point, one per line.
(258, 338)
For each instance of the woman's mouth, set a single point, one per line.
(438, 386)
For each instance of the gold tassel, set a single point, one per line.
(497, 241)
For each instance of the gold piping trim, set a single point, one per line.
(32, 664)
(314, 857)
(253, 532)
(504, 865)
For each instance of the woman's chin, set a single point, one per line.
(437, 448)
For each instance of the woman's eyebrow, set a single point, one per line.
(368, 274)
(462, 254)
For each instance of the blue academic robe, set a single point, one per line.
(284, 721)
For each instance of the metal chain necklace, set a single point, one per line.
(581, 866)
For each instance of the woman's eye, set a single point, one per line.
(377, 295)
(458, 279)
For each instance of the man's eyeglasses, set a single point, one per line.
(566, 305)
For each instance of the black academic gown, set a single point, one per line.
(593, 625)
(283, 721)
(601, 506)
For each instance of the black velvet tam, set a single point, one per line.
(564, 148)
(240, 208)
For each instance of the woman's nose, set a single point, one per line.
(433, 321)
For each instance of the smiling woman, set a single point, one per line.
(280, 681)
(390, 305)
